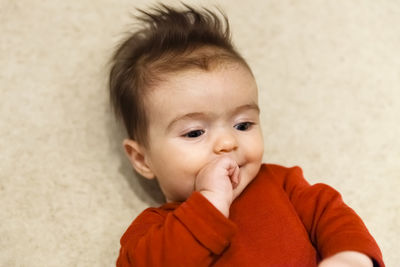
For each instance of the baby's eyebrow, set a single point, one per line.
(199, 115)
(247, 107)
(192, 115)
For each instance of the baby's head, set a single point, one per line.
(186, 97)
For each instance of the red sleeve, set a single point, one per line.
(331, 224)
(191, 235)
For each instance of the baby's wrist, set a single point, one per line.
(218, 202)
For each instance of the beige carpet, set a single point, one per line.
(329, 75)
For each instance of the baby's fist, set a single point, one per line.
(216, 182)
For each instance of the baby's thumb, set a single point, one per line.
(235, 177)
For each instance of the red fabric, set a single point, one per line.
(279, 220)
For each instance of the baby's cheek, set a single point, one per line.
(179, 189)
(255, 160)
(255, 154)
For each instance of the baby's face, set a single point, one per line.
(196, 116)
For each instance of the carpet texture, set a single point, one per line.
(329, 79)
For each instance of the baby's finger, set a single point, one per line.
(235, 177)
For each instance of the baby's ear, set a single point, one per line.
(137, 157)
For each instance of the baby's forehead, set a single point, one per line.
(190, 77)
(225, 82)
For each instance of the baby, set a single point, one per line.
(190, 106)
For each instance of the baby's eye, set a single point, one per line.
(194, 134)
(243, 126)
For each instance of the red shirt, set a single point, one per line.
(278, 220)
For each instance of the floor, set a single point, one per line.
(329, 79)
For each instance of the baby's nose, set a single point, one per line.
(225, 143)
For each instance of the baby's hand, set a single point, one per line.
(347, 259)
(216, 182)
